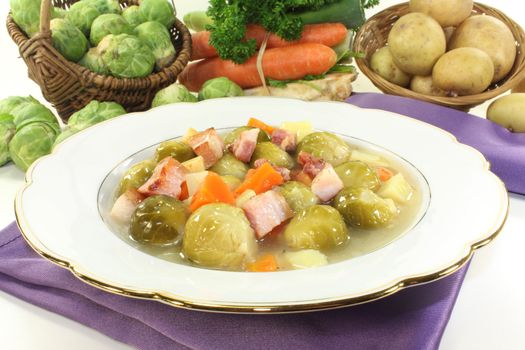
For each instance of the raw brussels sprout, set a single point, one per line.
(361, 207)
(109, 23)
(219, 87)
(136, 176)
(92, 60)
(68, 39)
(274, 154)
(26, 14)
(158, 10)
(30, 143)
(7, 131)
(358, 174)
(105, 6)
(66, 132)
(6, 118)
(229, 165)
(318, 227)
(27, 113)
(158, 39)
(158, 220)
(298, 195)
(10, 103)
(234, 135)
(82, 15)
(133, 15)
(179, 150)
(173, 94)
(219, 236)
(95, 112)
(327, 146)
(232, 182)
(197, 20)
(126, 56)
(58, 12)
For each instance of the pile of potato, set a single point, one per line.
(440, 49)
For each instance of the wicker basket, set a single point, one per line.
(374, 33)
(69, 86)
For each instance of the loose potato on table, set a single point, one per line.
(463, 71)
(509, 112)
(382, 63)
(446, 12)
(491, 35)
(416, 42)
(425, 85)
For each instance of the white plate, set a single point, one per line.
(58, 214)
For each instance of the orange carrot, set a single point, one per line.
(256, 123)
(384, 174)
(283, 63)
(261, 180)
(266, 263)
(184, 191)
(212, 190)
(329, 34)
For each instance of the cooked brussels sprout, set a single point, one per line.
(219, 87)
(179, 150)
(158, 10)
(30, 143)
(27, 113)
(26, 13)
(105, 6)
(173, 94)
(197, 20)
(158, 39)
(232, 181)
(126, 56)
(7, 131)
(82, 15)
(298, 195)
(274, 154)
(327, 146)
(219, 236)
(68, 39)
(317, 227)
(95, 112)
(234, 135)
(92, 60)
(159, 220)
(109, 23)
(229, 165)
(136, 176)
(361, 207)
(10, 103)
(358, 174)
(133, 16)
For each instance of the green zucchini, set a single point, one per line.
(349, 12)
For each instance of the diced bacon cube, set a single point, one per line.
(327, 183)
(311, 165)
(285, 139)
(167, 179)
(244, 146)
(125, 205)
(267, 211)
(208, 145)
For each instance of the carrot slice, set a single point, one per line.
(266, 263)
(256, 123)
(261, 180)
(384, 174)
(184, 191)
(213, 190)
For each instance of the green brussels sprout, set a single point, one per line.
(234, 135)
(358, 174)
(232, 181)
(126, 56)
(327, 146)
(361, 207)
(6, 118)
(26, 14)
(95, 112)
(158, 10)
(197, 20)
(68, 39)
(174, 93)
(272, 153)
(30, 143)
(58, 12)
(27, 113)
(92, 60)
(229, 165)
(66, 132)
(318, 227)
(219, 87)
(82, 15)
(298, 195)
(158, 39)
(105, 6)
(10, 103)
(158, 220)
(219, 236)
(136, 176)
(7, 131)
(179, 150)
(108, 23)
(133, 15)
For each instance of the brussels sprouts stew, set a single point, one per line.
(263, 198)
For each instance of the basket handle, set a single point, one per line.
(45, 16)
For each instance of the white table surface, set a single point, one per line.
(489, 314)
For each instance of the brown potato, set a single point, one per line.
(382, 63)
(416, 42)
(425, 86)
(463, 71)
(446, 12)
(490, 35)
(509, 112)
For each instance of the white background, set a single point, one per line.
(489, 314)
